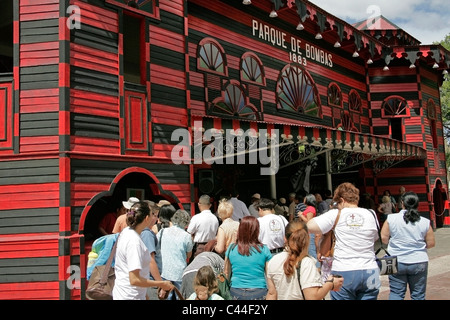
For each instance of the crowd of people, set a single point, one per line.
(269, 250)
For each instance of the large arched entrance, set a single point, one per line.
(135, 181)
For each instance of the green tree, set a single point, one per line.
(445, 103)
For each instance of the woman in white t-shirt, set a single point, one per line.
(132, 260)
(282, 275)
(354, 256)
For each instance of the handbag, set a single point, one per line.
(163, 295)
(224, 286)
(388, 264)
(327, 240)
(101, 282)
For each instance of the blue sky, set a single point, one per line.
(428, 21)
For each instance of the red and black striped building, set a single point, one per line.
(92, 92)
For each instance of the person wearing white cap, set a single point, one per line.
(121, 221)
(252, 208)
(128, 204)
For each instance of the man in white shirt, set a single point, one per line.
(271, 226)
(240, 210)
(203, 226)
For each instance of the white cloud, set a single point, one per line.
(427, 21)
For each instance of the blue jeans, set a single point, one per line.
(413, 275)
(358, 285)
(248, 293)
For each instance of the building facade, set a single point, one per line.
(106, 99)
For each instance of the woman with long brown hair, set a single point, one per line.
(246, 260)
(283, 280)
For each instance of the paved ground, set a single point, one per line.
(438, 285)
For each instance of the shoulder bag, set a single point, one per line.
(101, 282)
(224, 286)
(298, 278)
(388, 264)
(327, 240)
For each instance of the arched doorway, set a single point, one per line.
(135, 181)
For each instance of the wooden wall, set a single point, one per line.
(67, 121)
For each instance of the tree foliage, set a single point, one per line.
(445, 95)
(445, 103)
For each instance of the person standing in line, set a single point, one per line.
(271, 226)
(246, 261)
(385, 208)
(439, 198)
(322, 205)
(354, 256)
(306, 215)
(107, 223)
(367, 202)
(292, 205)
(203, 226)
(166, 212)
(132, 260)
(401, 191)
(227, 232)
(300, 205)
(281, 208)
(176, 248)
(121, 221)
(392, 199)
(408, 236)
(166, 216)
(253, 207)
(282, 276)
(150, 241)
(240, 210)
(328, 198)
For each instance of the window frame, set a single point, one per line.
(220, 50)
(297, 68)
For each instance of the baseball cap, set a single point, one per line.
(256, 196)
(128, 204)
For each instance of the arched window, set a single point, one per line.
(394, 106)
(211, 57)
(354, 101)
(252, 69)
(334, 95)
(296, 91)
(431, 113)
(234, 104)
(347, 123)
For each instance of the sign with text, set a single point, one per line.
(299, 51)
